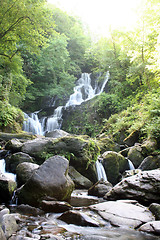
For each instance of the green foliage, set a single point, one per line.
(143, 116)
(11, 118)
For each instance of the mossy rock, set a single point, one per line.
(81, 151)
(135, 155)
(107, 144)
(114, 164)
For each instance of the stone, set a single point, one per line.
(78, 218)
(7, 188)
(135, 155)
(3, 212)
(114, 164)
(132, 138)
(143, 187)
(123, 213)
(57, 133)
(151, 227)
(150, 163)
(107, 144)
(24, 171)
(155, 209)
(2, 236)
(100, 189)
(50, 179)
(79, 180)
(28, 210)
(9, 225)
(55, 206)
(149, 146)
(14, 145)
(15, 159)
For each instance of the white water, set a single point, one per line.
(3, 171)
(100, 171)
(83, 91)
(131, 166)
(55, 121)
(32, 124)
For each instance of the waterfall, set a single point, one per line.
(83, 91)
(55, 121)
(32, 124)
(131, 166)
(3, 171)
(100, 171)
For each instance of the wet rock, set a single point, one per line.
(100, 189)
(28, 210)
(55, 206)
(9, 225)
(50, 179)
(114, 164)
(143, 187)
(15, 159)
(135, 155)
(78, 218)
(14, 145)
(79, 180)
(3, 212)
(155, 209)
(57, 133)
(24, 171)
(150, 163)
(121, 213)
(7, 188)
(151, 227)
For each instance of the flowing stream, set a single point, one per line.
(83, 91)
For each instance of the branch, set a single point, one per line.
(10, 57)
(14, 24)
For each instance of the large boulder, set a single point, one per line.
(151, 227)
(24, 171)
(81, 151)
(114, 164)
(50, 179)
(123, 213)
(135, 154)
(150, 163)
(143, 187)
(7, 188)
(13, 160)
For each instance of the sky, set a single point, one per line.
(102, 15)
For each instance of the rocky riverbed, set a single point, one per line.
(126, 206)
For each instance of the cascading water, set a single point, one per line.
(83, 91)
(131, 166)
(3, 171)
(101, 174)
(55, 121)
(32, 124)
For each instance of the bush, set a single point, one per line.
(11, 118)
